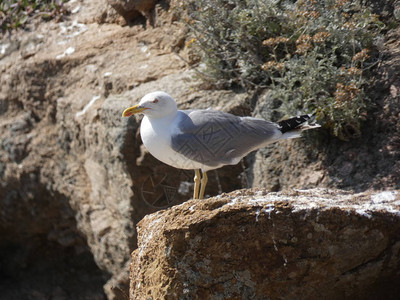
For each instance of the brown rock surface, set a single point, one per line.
(72, 172)
(66, 155)
(131, 9)
(74, 178)
(251, 244)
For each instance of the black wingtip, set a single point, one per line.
(293, 123)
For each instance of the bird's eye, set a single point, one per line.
(155, 100)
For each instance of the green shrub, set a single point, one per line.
(16, 13)
(314, 55)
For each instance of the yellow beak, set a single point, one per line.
(133, 110)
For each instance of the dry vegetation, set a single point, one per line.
(314, 55)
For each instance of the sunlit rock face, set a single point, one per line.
(251, 244)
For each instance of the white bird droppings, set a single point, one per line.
(383, 197)
(87, 106)
(67, 52)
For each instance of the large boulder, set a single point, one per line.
(251, 244)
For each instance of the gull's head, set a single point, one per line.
(153, 105)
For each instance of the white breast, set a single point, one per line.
(156, 136)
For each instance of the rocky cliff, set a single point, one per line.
(73, 173)
(74, 177)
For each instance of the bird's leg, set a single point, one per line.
(203, 185)
(197, 177)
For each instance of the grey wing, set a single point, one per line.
(214, 138)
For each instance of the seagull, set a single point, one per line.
(205, 139)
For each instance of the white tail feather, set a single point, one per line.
(296, 133)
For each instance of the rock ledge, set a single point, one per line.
(251, 244)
